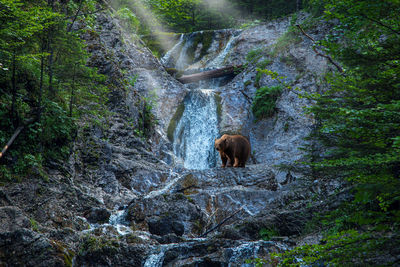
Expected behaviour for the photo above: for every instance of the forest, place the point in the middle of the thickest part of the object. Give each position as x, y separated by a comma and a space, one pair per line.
49, 92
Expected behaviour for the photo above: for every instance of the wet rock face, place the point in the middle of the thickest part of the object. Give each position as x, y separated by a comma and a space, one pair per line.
197, 200
135, 76
98, 215
116, 254
166, 214
12, 218
166, 225
27, 248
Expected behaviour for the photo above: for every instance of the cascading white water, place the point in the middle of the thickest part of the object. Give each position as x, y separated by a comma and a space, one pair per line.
219, 60
173, 51
117, 221
196, 131
183, 59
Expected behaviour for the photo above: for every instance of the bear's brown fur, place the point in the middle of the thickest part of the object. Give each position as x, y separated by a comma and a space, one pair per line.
233, 149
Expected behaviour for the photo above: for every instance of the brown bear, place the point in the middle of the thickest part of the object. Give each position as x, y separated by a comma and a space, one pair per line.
233, 149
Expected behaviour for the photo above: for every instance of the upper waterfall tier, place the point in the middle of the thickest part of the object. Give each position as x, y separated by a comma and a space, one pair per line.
198, 50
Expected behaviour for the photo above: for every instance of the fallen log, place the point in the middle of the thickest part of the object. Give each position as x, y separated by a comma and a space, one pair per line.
191, 78
14, 136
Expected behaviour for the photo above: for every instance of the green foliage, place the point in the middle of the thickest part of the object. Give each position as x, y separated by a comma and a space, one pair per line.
290, 37
44, 78
34, 225
147, 120
197, 15
267, 233
92, 243
358, 123
254, 55
129, 19
345, 248
265, 101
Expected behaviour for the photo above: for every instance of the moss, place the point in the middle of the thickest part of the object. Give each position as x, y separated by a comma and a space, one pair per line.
160, 42
267, 233
189, 181
93, 243
205, 38
258, 79
34, 225
171, 71
287, 39
64, 252
190, 199
133, 239
264, 63
174, 121
247, 83
218, 102
286, 127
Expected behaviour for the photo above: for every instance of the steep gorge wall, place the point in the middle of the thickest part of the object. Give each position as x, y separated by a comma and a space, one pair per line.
115, 182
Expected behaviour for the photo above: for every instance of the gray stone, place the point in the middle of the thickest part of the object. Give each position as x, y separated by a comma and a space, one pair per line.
98, 215
12, 218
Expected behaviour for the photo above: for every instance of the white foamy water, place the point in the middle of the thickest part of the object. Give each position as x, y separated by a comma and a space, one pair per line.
196, 131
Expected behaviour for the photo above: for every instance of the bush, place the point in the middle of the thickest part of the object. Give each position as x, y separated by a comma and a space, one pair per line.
265, 101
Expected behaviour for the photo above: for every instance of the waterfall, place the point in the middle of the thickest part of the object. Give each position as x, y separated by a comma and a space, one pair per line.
195, 132
219, 60
171, 53
197, 129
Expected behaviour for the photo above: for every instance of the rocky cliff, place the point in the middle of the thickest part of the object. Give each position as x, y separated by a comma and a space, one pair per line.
122, 200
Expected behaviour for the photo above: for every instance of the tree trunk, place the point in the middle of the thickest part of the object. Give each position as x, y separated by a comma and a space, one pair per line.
41, 78
14, 91
71, 101
50, 70
76, 15
298, 5
51, 53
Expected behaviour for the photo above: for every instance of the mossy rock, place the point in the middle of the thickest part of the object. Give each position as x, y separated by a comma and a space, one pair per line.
205, 38
218, 101
174, 121
189, 181
171, 71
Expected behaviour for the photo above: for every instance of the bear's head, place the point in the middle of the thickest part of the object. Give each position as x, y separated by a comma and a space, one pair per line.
222, 143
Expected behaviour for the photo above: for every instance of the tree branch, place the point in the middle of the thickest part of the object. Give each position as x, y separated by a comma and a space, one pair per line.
75, 17
221, 223
380, 23
339, 68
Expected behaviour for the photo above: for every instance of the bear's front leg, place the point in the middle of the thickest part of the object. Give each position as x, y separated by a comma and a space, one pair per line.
224, 159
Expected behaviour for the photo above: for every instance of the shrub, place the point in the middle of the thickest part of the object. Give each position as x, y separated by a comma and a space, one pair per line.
265, 101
